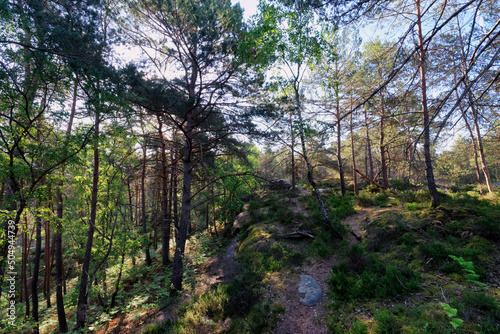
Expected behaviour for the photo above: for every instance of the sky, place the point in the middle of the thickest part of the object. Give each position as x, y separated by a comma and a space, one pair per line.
250, 7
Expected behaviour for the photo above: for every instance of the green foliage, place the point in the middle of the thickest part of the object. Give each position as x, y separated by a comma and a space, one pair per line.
387, 323
373, 196
206, 313
359, 328
159, 328
373, 279
452, 313
468, 267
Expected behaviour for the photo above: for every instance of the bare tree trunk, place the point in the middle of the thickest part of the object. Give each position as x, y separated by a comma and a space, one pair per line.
353, 154
143, 202
47, 259
24, 264
36, 272
178, 268
81, 311
425, 111
480, 146
369, 167
383, 163
213, 211
175, 203
473, 140
165, 209
293, 152
310, 178
60, 281
339, 142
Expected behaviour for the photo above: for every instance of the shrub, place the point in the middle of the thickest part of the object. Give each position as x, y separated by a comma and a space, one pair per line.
387, 323
375, 280
364, 199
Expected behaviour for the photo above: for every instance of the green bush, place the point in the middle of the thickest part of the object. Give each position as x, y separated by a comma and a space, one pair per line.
359, 328
365, 199
375, 280
406, 196
387, 323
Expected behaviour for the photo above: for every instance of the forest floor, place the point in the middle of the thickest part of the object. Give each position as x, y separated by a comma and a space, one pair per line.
296, 317
392, 274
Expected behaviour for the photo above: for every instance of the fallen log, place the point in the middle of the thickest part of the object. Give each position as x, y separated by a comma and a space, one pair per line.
297, 235
373, 182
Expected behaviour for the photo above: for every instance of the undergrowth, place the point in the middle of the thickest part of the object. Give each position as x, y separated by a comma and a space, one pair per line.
414, 260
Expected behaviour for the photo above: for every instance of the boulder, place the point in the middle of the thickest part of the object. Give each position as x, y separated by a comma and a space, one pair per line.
311, 288
279, 184
242, 218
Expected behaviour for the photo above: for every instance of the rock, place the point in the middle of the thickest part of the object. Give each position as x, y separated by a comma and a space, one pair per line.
242, 218
311, 288
279, 184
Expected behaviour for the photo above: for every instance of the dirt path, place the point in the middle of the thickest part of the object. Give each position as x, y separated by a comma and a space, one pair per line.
302, 319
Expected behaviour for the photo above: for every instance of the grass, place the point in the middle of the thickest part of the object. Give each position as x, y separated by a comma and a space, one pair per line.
396, 279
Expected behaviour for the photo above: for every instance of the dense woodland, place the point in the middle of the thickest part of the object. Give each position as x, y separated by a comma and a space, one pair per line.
133, 132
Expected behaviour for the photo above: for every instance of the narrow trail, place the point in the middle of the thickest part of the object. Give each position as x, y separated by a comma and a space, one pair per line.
302, 319
297, 318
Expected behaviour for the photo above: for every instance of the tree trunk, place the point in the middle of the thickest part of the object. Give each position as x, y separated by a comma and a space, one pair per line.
81, 311
310, 178
175, 200
213, 212
118, 279
47, 260
480, 146
36, 272
292, 135
473, 139
165, 209
369, 158
425, 111
353, 154
24, 264
383, 163
143, 202
178, 268
60, 282
339, 142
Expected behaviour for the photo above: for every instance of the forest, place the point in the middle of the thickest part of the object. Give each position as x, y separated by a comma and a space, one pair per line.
178, 166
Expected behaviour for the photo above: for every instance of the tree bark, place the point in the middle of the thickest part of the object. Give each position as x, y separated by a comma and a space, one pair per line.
36, 272
81, 311
47, 260
24, 264
479, 146
353, 154
178, 267
165, 209
339, 141
368, 153
292, 137
425, 111
61, 314
310, 178
383, 162
143, 202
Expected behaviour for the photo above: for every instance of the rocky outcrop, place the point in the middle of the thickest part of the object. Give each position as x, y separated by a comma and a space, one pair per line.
279, 184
